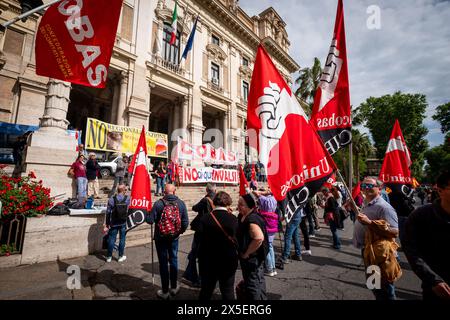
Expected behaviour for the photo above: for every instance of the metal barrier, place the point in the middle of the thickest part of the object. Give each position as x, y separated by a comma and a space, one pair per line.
12, 234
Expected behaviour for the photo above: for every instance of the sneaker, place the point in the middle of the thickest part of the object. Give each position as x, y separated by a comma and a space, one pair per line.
122, 258
162, 295
109, 259
337, 248
297, 257
286, 261
275, 272
173, 292
307, 252
312, 235
269, 274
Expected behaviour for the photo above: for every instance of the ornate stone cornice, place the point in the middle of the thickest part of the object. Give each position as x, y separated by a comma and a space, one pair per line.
215, 52
165, 14
244, 32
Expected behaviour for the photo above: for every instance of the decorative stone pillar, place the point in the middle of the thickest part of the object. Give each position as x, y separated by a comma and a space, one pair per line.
51, 150
122, 99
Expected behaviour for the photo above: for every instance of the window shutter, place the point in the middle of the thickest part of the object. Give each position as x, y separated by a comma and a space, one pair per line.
126, 31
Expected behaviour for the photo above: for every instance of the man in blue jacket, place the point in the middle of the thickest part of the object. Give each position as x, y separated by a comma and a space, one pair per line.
163, 214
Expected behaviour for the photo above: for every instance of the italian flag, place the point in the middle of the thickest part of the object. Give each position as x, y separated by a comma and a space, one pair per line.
173, 36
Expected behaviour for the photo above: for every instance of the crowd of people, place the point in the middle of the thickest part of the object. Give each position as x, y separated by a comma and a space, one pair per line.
222, 241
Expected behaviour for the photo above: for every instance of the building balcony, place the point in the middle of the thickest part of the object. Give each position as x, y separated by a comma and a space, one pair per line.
214, 85
168, 65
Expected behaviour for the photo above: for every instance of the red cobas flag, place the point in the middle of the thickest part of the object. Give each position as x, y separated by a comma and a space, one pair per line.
356, 190
141, 201
243, 183
395, 171
75, 40
331, 114
295, 160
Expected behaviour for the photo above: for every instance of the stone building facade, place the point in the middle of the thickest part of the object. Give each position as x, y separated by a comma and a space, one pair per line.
148, 84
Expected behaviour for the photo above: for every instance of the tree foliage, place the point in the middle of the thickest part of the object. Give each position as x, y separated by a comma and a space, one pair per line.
442, 115
308, 81
438, 160
379, 114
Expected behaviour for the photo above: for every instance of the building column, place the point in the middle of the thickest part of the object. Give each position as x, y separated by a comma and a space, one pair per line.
122, 99
115, 101
51, 150
184, 112
225, 130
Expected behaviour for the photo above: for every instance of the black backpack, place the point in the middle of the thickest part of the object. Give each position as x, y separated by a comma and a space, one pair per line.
120, 210
59, 209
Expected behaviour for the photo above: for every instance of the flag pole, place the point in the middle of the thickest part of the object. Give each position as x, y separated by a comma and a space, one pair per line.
28, 13
153, 261
348, 191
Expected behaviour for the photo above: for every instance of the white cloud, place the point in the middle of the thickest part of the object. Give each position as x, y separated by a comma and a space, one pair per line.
411, 51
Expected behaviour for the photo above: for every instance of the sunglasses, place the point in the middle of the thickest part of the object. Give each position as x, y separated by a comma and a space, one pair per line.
367, 186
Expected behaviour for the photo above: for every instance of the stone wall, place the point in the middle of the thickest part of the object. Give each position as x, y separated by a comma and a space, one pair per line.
64, 237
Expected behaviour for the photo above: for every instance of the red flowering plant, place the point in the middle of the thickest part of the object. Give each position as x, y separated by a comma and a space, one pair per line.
23, 195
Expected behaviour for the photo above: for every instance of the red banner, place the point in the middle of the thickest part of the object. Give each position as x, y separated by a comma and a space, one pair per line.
243, 183
141, 198
395, 171
75, 40
206, 153
331, 114
294, 157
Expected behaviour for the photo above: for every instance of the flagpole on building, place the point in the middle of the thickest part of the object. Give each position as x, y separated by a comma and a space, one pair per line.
27, 14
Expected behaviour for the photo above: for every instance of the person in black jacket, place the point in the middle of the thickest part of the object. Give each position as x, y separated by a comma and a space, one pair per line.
167, 248
403, 206
427, 235
92, 170
203, 207
218, 256
253, 247
331, 216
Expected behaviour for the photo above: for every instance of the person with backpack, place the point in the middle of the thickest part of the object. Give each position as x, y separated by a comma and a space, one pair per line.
116, 222
218, 255
203, 207
171, 219
253, 248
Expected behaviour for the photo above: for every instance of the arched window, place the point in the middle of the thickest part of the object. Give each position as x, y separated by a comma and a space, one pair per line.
170, 52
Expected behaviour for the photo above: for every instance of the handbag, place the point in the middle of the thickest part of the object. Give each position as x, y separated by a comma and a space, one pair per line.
329, 216
71, 172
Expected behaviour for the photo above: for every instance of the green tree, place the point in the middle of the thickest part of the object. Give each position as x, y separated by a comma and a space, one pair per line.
442, 115
379, 114
438, 160
308, 81
362, 147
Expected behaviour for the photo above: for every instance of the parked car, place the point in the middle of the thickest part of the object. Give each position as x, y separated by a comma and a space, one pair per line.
108, 168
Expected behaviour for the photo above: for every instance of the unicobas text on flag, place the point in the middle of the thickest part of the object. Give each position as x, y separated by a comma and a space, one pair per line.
308, 173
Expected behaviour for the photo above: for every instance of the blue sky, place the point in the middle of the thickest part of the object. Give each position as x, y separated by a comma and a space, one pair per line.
410, 52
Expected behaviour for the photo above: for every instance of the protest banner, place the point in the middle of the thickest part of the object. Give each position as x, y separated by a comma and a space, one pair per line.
104, 136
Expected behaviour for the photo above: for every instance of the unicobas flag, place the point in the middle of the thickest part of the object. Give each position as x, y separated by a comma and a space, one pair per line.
75, 40
243, 183
331, 114
395, 171
141, 201
295, 159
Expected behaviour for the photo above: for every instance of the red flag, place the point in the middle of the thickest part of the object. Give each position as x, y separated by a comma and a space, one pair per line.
243, 184
253, 173
330, 181
141, 199
294, 157
395, 171
356, 190
75, 40
331, 114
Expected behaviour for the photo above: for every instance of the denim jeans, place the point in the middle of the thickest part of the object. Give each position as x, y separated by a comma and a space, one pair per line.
292, 230
160, 184
112, 236
82, 187
334, 232
191, 272
167, 250
311, 225
270, 259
